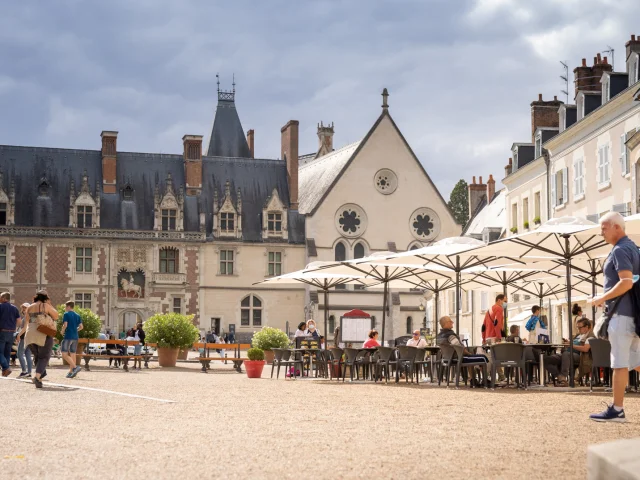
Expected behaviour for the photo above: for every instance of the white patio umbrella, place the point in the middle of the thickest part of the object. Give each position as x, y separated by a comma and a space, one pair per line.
316, 278
557, 239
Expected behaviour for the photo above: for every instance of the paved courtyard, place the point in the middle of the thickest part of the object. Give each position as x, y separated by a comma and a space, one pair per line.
223, 425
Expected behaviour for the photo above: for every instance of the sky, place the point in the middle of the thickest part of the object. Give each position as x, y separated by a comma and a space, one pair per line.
461, 74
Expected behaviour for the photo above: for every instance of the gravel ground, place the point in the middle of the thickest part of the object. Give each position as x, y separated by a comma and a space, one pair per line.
224, 425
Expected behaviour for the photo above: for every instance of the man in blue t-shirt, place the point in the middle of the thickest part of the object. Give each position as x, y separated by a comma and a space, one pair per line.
71, 325
621, 265
9, 316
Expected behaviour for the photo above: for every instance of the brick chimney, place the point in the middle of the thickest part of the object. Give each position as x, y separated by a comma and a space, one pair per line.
109, 162
289, 153
491, 188
588, 78
508, 168
325, 139
250, 139
476, 192
192, 154
544, 114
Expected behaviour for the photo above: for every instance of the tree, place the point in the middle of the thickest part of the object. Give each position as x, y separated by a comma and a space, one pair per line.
459, 202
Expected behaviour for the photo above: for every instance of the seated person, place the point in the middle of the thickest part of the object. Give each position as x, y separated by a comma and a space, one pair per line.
563, 361
372, 341
302, 330
446, 336
312, 331
514, 334
416, 341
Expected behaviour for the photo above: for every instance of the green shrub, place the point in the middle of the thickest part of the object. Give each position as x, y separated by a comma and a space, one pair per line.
269, 338
171, 330
514, 230
91, 323
526, 224
536, 220
255, 354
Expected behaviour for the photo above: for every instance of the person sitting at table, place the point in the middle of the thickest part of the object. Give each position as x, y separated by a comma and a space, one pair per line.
446, 336
416, 340
312, 331
302, 330
514, 334
372, 341
558, 365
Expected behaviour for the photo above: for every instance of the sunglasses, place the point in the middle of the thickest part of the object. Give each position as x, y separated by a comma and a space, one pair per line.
416, 334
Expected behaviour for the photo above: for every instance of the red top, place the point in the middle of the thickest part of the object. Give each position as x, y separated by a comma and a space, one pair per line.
496, 312
371, 343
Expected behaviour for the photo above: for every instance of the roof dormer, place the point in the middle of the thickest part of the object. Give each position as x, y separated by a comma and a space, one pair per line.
84, 208
274, 218
169, 207
227, 217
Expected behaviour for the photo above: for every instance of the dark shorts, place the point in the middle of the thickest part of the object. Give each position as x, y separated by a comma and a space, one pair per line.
69, 346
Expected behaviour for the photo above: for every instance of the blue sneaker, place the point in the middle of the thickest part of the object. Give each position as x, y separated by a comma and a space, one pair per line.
75, 371
609, 415
69, 375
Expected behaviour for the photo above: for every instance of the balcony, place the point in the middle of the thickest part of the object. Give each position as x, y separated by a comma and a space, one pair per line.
170, 278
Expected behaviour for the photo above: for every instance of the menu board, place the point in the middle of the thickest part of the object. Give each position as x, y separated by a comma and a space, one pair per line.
354, 329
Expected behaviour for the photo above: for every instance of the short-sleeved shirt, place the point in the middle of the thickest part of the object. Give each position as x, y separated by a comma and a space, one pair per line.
9, 316
624, 256
73, 321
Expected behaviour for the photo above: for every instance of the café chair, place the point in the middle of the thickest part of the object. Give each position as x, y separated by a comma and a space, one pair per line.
601, 358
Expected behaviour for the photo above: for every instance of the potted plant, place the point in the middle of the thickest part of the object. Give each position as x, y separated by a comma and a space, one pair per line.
269, 338
171, 331
526, 225
536, 220
255, 364
91, 326
514, 230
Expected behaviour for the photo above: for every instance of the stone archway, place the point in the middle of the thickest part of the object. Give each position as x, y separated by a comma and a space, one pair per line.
128, 318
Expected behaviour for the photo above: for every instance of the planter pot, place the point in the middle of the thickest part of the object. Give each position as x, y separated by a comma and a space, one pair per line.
79, 351
336, 371
167, 357
254, 368
183, 354
269, 356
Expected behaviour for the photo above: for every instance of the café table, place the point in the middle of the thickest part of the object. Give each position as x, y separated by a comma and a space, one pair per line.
312, 353
545, 348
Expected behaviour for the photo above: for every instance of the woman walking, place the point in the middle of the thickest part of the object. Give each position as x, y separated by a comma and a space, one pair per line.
24, 354
39, 343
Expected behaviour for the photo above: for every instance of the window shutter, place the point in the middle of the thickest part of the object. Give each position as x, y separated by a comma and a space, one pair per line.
576, 178
623, 154
607, 164
600, 165
565, 185
553, 190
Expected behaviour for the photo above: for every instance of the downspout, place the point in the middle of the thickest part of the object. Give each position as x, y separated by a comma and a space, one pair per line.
108, 313
40, 276
473, 311
547, 162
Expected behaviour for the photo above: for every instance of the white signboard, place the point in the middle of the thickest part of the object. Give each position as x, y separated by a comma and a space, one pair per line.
354, 329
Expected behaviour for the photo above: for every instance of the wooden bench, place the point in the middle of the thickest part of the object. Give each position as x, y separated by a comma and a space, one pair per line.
87, 357
205, 357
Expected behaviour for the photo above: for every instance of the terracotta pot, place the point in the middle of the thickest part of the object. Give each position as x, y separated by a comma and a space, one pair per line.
167, 357
269, 356
254, 368
183, 354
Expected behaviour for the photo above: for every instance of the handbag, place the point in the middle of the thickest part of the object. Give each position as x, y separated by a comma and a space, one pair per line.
46, 324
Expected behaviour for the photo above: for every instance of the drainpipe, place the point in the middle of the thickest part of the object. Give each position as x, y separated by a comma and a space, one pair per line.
547, 162
41, 258
108, 313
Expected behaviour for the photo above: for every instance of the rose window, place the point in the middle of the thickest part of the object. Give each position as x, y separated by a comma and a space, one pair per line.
424, 224
351, 221
386, 181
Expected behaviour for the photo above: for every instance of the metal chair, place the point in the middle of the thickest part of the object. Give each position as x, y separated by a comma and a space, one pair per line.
287, 361
351, 360
336, 360
601, 355
384, 360
509, 355
406, 361
453, 355
420, 364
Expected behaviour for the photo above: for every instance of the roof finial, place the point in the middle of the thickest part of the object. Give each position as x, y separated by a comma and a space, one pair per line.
218, 79
385, 97
234, 83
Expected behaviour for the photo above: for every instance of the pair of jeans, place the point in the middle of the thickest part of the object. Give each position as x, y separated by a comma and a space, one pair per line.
42, 354
6, 340
24, 357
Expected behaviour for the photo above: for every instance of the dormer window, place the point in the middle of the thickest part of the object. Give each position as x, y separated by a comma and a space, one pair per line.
606, 92
274, 218
580, 106
84, 217
169, 219
563, 120
274, 223
227, 222
538, 152
43, 189
127, 193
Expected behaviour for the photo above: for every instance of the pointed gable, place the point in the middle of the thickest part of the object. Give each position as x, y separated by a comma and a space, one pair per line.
227, 136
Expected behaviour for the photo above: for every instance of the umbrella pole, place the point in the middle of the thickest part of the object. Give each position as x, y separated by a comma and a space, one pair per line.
326, 316
506, 308
436, 319
384, 301
568, 263
458, 294
593, 289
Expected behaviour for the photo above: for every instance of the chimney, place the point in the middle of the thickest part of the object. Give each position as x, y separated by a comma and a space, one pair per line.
491, 188
192, 155
588, 78
109, 143
508, 168
325, 139
250, 134
544, 114
476, 192
289, 153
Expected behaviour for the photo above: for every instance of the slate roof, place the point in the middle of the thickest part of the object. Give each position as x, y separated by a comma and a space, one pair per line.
227, 136
491, 215
316, 177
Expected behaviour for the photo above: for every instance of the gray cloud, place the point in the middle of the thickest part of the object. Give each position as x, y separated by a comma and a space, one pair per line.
461, 74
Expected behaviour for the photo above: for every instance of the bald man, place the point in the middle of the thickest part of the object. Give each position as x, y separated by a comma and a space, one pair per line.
621, 265
446, 336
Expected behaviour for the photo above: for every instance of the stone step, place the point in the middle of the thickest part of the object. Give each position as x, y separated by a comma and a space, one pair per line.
618, 460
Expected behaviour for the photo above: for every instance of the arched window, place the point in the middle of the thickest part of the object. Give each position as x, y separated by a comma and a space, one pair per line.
340, 256
251, 311
358, 252
332, 325
168, 260
409, 325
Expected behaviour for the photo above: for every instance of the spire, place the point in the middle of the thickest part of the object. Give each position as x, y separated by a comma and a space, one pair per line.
227, 135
